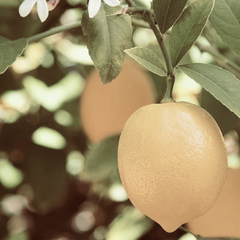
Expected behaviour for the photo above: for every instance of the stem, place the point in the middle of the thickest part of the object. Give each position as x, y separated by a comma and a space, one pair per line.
135, 10
170, 75
140, 23
161, 43
168, 97
53, 31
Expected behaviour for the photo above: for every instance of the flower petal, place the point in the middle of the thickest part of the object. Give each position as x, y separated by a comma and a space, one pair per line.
42, 9
52, 4
112, 3
26, 7
93, 7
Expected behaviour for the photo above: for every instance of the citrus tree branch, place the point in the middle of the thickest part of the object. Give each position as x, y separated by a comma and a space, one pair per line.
168, 97
136, 10
160, 42
139, 23
53, 31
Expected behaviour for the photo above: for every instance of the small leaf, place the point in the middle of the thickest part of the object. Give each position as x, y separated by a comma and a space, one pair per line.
108, 36
167, 12
226, 25
10, 50
222, 84
148, 59
101, 160
187, 28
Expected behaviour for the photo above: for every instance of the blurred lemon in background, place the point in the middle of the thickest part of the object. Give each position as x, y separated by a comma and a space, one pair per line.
104, 109
223, 219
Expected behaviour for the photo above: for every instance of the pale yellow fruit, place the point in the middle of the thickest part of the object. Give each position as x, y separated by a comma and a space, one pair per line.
104, 109
172, 162
223, 219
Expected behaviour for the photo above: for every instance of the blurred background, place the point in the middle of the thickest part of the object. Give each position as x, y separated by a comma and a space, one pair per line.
57, 181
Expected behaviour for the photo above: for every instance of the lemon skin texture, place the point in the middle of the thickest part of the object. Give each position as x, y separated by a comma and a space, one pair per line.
105, 108
172, 162
223, 219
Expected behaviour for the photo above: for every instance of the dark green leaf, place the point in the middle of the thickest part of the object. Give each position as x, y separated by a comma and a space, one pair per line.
148, 59
9, 51
226, 25
109, 35
218, 110
45, 172
101, 160
167, 12
222, 84
187, 28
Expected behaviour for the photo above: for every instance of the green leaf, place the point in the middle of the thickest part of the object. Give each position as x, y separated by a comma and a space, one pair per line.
167, 12
47, 176
222, 84
226, 25
235, 7
148, 59
10, 50
101, 160
218, 110
187, 29
109, 35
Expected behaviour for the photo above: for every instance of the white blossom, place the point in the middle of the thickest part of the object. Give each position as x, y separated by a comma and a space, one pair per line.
94, 6
42, 8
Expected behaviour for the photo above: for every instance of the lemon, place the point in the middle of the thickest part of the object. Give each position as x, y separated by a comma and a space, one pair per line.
104, 109
172, 162
223, 219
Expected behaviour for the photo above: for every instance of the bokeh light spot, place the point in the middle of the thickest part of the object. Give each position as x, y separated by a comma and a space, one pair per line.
63, 118
10, 176
84, 221
75, 162
13, 204
117, 193
49, 138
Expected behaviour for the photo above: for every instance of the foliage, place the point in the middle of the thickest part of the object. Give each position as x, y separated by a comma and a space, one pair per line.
43, 147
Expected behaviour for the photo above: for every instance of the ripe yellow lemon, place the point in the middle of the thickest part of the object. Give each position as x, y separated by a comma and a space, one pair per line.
104, 109
223, 219
172, 162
